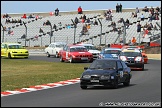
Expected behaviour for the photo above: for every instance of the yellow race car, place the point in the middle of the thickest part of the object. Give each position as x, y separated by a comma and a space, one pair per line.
13, 50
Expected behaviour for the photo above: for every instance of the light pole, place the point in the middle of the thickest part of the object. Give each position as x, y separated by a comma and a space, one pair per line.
160, 31
100, 30
75, 26
3, 33
25, 32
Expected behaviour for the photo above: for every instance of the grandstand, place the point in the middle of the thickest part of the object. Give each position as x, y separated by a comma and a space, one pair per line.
101, 34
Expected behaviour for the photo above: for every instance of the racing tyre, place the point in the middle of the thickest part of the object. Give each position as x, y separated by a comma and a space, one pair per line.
56, 55
83, 87
48, 55
127, 82
61, 59
142, 67
9, 56
115, 84
71, 60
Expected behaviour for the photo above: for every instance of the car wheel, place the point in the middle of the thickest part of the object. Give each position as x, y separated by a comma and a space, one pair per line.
115, 84
48, 55
9, 56
127, 82
61, 59
91, 61
142, 67
83, 87
56, 55
71, 59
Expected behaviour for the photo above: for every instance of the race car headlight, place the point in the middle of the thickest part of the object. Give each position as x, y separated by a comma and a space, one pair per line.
86, 76
123, 58
14, 52
105, 77
73, 56
138, 59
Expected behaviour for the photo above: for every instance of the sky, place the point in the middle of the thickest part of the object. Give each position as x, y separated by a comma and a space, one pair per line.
50, 6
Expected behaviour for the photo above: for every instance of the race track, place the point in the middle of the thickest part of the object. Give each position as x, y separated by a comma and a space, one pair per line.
145, 87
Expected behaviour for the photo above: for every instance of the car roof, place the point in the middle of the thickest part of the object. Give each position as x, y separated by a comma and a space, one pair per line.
108, 59
10, 43
75, 45
85, 44
58, 43
112, 49
130, 50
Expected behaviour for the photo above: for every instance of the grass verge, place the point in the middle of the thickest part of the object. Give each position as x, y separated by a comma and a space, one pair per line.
17, 74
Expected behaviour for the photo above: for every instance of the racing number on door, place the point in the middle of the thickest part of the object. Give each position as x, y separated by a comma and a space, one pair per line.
121, 74
66, 54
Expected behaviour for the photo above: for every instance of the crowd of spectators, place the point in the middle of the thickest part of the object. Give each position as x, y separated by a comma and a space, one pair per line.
13, 21
118, 8
6, 16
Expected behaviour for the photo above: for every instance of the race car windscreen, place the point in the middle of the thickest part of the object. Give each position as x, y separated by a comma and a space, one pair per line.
78, 49
90, 47
112, 51
16, 47
130, 54
103, 64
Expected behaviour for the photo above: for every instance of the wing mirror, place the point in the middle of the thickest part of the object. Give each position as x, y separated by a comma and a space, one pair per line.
85, 68
120, 69
126, 63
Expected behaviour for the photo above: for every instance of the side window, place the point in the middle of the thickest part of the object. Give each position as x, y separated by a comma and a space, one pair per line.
50, 45
124, 65
65, 48
2, 46
119, 65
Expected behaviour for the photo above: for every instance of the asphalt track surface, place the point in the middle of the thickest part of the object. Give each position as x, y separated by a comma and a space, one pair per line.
145, 86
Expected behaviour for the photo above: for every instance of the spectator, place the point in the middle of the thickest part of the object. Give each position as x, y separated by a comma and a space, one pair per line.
120, 7
145, 32
54, 26
48, 22
158, 9
41, 30
84, 17
120, 20
83, 20
76, 20
137, 10
133, 41
132, 15
113, 24
149, 27
138, 27
127, 23
60, 24
142, 17
95, 23
24, 16
117, 8
129, 42
80, 10
145, 9
121, 41
88, 20
108, 17
84, 30
115, 29
135, 15
155, 27
156, 17
88, 26
56, 12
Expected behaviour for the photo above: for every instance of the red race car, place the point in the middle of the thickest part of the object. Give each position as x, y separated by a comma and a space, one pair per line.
142, 51
74, 53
